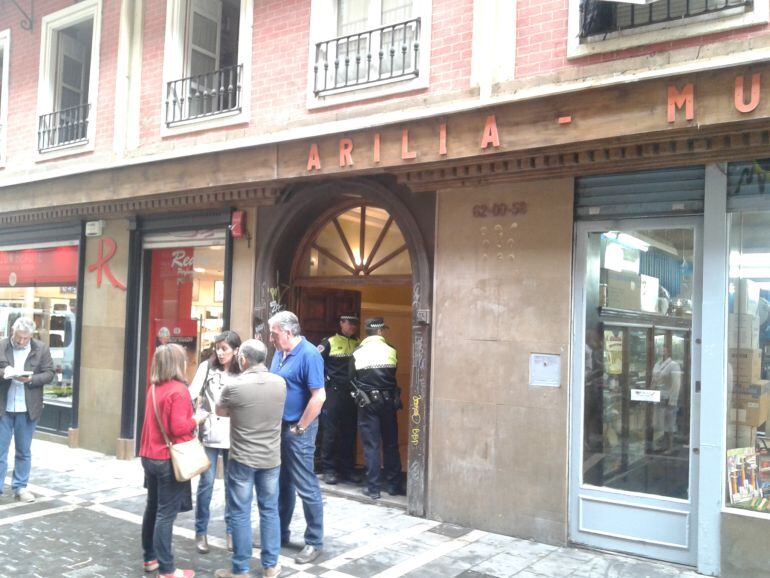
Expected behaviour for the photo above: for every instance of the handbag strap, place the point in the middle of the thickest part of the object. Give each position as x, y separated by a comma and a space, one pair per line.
157, 416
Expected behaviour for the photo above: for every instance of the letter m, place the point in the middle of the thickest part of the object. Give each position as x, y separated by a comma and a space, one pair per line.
681, 99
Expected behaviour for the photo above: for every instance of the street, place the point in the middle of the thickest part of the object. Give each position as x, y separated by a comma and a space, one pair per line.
86, 523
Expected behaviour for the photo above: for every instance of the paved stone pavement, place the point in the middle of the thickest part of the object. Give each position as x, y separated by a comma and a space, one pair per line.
86, 523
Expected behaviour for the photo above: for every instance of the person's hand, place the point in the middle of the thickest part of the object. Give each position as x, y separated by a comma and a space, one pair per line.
201, 416
25, 379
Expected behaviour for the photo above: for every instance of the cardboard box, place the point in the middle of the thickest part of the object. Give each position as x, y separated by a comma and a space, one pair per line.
624, 290
748, 297
751, 408
743, 331
746, 366
649, 293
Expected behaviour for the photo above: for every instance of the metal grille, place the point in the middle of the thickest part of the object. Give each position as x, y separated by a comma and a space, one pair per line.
63, 127
603, 17
203, 95
368, 57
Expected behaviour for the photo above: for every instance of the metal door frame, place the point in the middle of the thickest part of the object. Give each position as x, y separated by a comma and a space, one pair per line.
577, 492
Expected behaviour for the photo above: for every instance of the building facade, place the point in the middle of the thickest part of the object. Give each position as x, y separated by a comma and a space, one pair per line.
559, 206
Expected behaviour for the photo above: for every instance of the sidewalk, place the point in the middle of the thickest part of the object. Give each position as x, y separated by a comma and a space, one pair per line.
86, 522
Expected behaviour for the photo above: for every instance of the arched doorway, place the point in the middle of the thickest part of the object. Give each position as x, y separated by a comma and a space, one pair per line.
323, 244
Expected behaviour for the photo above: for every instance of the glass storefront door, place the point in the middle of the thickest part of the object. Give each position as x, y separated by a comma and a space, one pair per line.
634, 403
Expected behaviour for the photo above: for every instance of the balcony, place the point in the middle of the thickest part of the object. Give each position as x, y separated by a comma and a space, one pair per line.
600, 17
204, 95
63, 128
367, 58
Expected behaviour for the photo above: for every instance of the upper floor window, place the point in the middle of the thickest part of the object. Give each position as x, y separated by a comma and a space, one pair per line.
362, 44
602, 17
204, 58
605, 26
68, 73
5, 42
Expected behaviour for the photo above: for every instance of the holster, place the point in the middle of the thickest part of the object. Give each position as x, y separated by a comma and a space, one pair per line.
361, 398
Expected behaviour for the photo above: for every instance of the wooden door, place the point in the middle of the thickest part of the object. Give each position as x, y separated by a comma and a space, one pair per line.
319, 310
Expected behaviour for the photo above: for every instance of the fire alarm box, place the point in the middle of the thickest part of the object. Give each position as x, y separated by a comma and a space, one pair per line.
238, 224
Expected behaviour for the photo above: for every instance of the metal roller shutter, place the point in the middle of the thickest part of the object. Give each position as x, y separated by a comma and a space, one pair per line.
677, 191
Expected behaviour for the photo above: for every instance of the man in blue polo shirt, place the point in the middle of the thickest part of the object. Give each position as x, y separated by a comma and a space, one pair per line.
302, 367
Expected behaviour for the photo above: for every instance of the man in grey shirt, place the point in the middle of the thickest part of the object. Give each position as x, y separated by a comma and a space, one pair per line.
254, 402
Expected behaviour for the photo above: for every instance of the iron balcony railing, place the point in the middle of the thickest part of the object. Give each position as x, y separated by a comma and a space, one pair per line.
63, 127
603, 17
203, 95
369, 57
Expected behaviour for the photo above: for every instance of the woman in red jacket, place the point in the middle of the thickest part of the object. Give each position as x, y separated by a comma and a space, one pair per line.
165, 496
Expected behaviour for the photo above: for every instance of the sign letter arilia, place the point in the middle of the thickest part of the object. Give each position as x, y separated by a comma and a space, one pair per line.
313, 158
678, 99
490, 135
740, 102
346, 152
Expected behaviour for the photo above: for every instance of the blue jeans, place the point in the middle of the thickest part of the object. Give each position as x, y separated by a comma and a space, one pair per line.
165, 498
242, 481
16, 425
206, 488
298, 477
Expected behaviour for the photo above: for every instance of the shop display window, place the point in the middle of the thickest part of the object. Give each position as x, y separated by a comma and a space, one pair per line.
41, 284
748, 363
639, 297
186, 300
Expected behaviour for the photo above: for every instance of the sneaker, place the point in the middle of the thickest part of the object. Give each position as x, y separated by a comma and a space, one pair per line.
24, 495
371, 493
272, 572
178, 573
307, 554
151, 566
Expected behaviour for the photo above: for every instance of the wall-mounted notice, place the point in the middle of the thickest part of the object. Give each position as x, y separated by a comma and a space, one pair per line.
545, 370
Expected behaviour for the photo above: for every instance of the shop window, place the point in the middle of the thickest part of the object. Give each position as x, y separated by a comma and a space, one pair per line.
605, 25
639, 302
359, 45
748, 363
361, 242
5, 43
208, 52
68, 76
186, 298
41, 284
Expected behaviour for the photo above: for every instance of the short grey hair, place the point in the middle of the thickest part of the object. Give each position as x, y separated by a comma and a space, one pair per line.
253, 351
24, 325
287, 321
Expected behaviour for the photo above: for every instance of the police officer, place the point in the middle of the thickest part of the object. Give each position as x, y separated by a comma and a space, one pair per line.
375, 364
339, 412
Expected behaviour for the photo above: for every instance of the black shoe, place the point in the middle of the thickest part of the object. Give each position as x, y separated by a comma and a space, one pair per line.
307, 555
370, 493
396, 491
332, 478
352, 477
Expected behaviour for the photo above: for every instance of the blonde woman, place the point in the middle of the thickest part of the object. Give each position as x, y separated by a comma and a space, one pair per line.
167, 401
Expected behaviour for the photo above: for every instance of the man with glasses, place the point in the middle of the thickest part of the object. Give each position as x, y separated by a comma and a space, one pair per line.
302, 367
25, 367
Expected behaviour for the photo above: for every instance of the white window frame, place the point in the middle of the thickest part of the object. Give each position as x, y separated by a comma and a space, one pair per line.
49, 26
705, 24
5, 48
323, 26
174, 59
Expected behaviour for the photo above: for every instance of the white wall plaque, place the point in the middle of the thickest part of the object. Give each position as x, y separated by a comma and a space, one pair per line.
651, 395
545, 369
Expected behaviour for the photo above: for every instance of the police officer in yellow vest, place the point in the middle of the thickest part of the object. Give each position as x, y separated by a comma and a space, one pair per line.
375, 364
339, 412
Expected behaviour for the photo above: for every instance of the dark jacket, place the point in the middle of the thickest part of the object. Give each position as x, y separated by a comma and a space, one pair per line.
337, 352
39, 362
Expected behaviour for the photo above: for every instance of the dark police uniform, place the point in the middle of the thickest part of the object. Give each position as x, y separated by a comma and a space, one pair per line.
375, 365
339, 412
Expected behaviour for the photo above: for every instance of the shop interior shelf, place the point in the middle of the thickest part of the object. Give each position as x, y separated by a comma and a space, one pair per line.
608, 314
